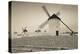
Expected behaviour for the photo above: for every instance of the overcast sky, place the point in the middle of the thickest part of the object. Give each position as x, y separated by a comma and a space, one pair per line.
32, 15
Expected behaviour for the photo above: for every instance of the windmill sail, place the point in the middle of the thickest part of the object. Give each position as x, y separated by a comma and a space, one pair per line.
43, 24
58, 13
44, 8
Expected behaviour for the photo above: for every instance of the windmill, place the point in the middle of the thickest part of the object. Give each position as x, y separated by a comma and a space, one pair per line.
52, 20
24, 30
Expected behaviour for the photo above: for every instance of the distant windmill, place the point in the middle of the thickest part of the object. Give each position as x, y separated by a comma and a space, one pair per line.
54, 22
24, 30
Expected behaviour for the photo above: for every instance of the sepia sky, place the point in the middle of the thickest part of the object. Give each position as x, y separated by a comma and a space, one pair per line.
32, 15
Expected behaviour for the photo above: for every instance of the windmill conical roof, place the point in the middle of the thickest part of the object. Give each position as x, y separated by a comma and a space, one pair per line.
54, 16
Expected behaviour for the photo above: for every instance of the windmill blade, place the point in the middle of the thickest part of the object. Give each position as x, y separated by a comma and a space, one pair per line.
44, 8
58, 13
43, 24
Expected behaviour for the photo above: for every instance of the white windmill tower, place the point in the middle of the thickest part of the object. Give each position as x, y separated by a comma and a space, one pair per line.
53, 22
